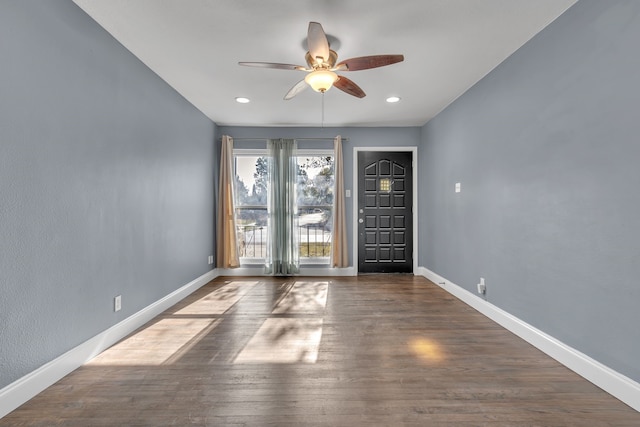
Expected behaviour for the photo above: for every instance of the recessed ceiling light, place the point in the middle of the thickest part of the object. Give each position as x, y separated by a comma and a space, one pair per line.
243, 100
393, 99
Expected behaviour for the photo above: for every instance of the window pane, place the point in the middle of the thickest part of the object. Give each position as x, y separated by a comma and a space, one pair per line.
315, 205
252, 232
251, 206
251, 181
315, 180
315, 232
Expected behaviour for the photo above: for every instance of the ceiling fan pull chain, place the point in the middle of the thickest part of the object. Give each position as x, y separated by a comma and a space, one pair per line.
322, 122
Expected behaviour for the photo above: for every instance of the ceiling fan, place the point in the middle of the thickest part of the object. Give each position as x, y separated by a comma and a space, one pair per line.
322, 67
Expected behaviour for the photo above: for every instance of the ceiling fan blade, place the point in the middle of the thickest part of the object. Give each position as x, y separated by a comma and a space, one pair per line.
317, 43
348, 86
273, 65
296, 89
367, 62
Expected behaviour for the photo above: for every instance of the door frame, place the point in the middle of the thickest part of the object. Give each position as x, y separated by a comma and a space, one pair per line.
414, 213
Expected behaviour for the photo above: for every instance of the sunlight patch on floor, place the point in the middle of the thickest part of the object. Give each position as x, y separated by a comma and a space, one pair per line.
163, 342
283, 340
220, 300
304, 298
426, 350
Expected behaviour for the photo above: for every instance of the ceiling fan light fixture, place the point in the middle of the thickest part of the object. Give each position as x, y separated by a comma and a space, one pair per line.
321, 80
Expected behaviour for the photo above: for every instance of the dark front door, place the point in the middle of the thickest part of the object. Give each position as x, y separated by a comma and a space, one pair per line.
385, 223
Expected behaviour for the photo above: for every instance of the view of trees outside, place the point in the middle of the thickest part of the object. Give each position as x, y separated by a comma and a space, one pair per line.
314, 199
256, 195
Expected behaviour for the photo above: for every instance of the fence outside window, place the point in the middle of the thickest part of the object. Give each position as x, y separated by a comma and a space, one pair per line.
314, 232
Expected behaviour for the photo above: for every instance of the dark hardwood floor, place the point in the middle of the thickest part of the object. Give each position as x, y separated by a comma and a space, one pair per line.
371, 350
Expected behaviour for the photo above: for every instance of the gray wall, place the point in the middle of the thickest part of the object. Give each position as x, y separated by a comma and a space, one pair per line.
546, 149
105, 184
358, 137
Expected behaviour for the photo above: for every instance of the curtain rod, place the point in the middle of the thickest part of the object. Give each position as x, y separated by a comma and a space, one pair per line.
297, 139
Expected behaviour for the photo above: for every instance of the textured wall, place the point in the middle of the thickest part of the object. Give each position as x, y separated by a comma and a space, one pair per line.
546, 149
106, 184
358, 137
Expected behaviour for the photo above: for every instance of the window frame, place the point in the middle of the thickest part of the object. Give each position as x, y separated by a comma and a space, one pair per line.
264, 152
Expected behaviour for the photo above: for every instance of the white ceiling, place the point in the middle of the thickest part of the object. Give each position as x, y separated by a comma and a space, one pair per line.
195, 46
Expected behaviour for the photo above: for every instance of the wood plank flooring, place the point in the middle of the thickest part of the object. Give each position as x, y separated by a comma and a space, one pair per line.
371, 350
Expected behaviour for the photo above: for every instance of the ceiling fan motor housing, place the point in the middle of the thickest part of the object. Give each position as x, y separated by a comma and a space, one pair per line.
330, 63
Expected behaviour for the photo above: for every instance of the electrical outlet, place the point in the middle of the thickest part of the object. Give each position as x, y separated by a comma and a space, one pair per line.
117, 303
210, 260
482, 288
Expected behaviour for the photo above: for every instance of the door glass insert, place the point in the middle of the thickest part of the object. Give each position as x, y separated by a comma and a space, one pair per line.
385, 185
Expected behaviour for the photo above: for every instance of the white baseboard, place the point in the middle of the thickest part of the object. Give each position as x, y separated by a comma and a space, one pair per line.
613, 382
304, 271
25, 388
242, 271
326, 271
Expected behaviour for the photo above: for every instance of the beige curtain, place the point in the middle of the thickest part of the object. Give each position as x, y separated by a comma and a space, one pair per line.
227, 244
339, 255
